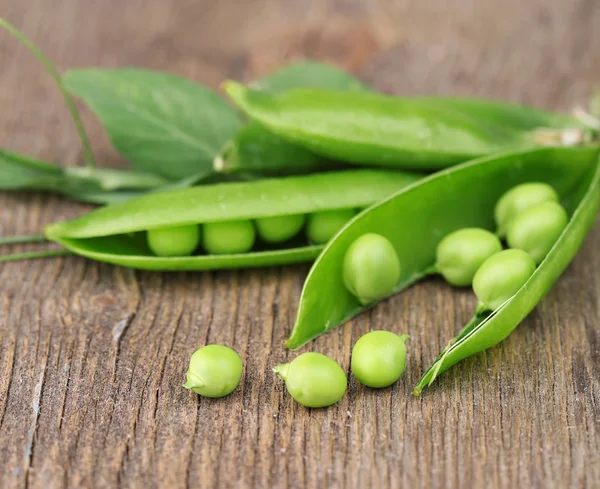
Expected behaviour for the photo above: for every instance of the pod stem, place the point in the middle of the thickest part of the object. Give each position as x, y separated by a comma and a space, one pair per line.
32, 238
573, 136
87, 148
32, 255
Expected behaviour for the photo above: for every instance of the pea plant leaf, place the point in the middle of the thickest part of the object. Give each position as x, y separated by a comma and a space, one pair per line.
160, 122
309, 74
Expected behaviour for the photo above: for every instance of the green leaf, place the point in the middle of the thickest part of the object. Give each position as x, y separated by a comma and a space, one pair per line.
309, 74
161, 123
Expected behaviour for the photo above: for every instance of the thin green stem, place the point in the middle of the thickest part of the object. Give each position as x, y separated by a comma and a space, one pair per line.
32, 238
87, 148
32, 255
29, 161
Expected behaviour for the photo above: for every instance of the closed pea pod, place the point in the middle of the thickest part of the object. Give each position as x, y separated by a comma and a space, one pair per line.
379, 358
255, 149
461, 253
214, 371
374, 129
104, 234
536, 229
313, 380
453, 199
519, 199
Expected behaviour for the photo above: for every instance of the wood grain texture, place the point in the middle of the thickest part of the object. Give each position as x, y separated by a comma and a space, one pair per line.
92, 357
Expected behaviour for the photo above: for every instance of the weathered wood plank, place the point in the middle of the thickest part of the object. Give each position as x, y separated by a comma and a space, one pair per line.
92, 357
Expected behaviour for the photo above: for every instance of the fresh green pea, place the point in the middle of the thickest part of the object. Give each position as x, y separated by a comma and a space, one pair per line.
322, 226
518, 199
214, 371
371, 268
228, 237
536, 229
174, 241
461, 253
313, 380
501, 276
278, 229
379, 358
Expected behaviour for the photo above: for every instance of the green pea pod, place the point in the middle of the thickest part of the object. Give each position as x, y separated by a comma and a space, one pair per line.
111, 234
417, 133
256, 150
430, 209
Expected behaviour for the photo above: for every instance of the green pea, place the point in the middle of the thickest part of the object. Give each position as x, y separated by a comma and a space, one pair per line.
228, 237
174, 241
379, 358
501, 276
313, 380
279, 228
518, 199
371, 268
461, 253
214, 371
536, 229
322, 226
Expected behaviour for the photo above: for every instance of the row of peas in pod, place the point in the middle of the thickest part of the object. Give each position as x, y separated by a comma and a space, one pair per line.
312, 379
239, 236
529, 217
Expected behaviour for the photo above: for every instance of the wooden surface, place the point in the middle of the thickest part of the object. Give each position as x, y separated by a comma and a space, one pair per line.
92, 357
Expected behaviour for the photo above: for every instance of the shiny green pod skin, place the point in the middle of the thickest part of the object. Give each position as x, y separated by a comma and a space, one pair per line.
464, 196
111, 234
256, 150
375, 129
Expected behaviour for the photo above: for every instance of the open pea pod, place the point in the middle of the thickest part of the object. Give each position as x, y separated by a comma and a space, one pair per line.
115, 234
416, 218
426, 133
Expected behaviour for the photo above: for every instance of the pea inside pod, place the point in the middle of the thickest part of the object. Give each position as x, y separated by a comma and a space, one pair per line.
519, 199
106, 234
536, 229
174, 241
280, 228
371, 268
460, 254
501, 276
322, 226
